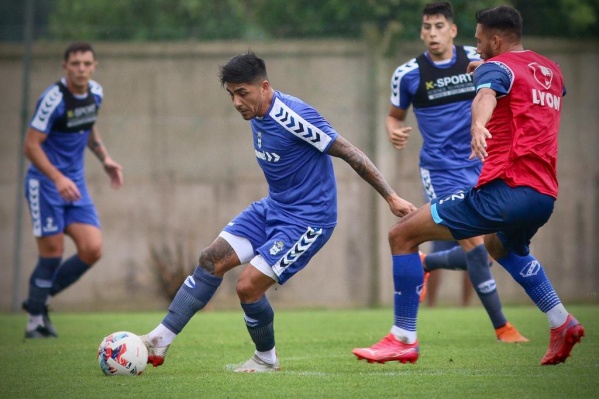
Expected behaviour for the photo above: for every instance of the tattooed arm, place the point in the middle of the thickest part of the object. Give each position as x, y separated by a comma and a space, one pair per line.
341, 148
113, 169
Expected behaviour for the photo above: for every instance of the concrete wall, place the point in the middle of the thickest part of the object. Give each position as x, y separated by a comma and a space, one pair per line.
189, 169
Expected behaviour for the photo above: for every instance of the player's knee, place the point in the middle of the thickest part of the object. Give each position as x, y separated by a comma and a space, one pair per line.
52, 251
494, 246
242, 289
206, 261
394, 234
90, 254
246, 291
399, 241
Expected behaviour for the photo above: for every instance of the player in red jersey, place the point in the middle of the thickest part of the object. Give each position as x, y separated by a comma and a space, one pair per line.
515, 123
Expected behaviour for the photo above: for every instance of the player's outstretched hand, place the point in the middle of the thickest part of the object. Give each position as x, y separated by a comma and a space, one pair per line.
399, 206
478, 145
115, 172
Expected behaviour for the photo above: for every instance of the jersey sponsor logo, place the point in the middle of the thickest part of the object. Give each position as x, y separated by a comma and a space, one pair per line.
450, 86
46, 107
81, 115
542, 74
451, 80
267, 156
298, 126
300, 247
486, 287
531, 269
546, 99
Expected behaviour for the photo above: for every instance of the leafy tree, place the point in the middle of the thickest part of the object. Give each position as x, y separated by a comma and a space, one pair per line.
560, 18
143, 20
155, 20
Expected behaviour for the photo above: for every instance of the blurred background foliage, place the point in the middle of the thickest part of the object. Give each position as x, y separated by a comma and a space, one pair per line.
177, 20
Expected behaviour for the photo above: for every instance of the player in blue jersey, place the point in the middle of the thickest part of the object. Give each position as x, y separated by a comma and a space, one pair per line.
62, 127
440, 90
279, 234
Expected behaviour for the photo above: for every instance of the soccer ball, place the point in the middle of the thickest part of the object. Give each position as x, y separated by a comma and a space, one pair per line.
122, 353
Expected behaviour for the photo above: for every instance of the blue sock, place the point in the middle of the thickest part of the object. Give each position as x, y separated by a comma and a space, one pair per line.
408, 277
484, 284
259, 320
451, 259
530, 274
69, 272
437, 246
40, 283
194, 294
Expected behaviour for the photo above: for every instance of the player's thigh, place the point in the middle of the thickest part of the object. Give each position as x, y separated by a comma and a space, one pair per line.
468, 244
87, 239
252, 284
414, 229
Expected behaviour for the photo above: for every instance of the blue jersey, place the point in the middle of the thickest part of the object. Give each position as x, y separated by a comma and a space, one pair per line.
445, 128
290, 143
67, 120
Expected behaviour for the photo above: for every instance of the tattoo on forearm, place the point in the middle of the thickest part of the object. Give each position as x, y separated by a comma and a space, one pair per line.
97, 148
362, 165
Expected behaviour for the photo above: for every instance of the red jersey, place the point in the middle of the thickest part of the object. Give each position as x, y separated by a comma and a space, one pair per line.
525, 122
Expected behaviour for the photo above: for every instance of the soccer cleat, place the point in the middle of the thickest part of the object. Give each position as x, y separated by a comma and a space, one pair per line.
508, 333
257, 365
389, 349
426, 276
156, 354
562, 340
50, 331
40, 332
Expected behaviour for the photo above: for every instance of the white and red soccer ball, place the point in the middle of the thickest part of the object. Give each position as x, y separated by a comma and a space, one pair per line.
122, 353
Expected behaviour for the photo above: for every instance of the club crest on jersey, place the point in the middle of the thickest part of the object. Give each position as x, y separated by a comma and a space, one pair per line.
542, 74
277, 247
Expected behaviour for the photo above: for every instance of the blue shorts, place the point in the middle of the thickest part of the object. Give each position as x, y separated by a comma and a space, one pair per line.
286, 245
440, 182
514, 213
50, 214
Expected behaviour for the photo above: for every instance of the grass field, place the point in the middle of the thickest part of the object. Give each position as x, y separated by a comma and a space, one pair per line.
460, 358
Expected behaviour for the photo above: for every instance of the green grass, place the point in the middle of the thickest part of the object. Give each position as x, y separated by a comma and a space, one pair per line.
460, 358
